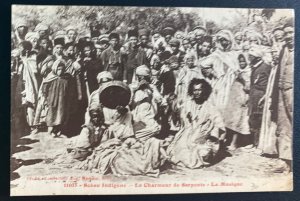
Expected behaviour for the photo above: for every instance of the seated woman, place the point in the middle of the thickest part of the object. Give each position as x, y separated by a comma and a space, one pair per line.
197, 143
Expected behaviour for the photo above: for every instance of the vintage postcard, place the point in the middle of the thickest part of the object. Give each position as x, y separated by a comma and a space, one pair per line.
151, 100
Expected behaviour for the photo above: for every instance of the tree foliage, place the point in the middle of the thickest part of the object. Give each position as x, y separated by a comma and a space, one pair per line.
109, 18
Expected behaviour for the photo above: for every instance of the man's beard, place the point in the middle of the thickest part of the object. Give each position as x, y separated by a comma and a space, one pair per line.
204, 54
199, 99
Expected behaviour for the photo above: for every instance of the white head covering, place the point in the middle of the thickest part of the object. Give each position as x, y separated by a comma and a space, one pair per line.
140, 95
239, 33
70, 28
20, 23
143, 70
104, 75
228, 36
41, 27
256, 51
60, 34
256, 35
56, 64
31, 35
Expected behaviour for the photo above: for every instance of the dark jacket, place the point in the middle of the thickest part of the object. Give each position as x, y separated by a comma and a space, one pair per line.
134, 58
283, 82
258, 85
114, 63
167, 81
90, 70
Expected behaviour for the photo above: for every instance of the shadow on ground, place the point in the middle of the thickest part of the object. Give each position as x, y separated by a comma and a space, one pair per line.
17, 163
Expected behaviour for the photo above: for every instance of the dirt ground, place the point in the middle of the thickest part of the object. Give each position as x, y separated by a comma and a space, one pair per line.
31, 155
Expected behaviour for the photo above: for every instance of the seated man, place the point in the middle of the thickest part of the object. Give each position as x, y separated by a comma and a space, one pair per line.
113, 117
91, 135
197, 142
145, 101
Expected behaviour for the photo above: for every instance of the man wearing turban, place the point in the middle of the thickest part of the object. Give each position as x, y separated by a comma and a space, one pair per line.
219, 68
118, 120
71, 34
21, 30
145, 101
43, 30
27, 72
258, 85
33, 38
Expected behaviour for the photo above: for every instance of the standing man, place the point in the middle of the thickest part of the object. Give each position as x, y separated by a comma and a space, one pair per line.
112, 58
278, 40
258, 85
145, 44
21, 30
200, 32
59, 43
43, 30
135, 56
71, 34
175, 43
204, 47
283, 99
101, 45
29, 73
168, 34
89, 67
95, 36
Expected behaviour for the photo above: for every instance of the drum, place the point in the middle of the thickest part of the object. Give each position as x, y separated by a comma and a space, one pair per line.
114, 93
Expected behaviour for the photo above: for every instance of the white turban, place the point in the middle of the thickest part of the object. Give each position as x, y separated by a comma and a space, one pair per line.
143, 70
31, 35
20, 23
70, 28
41, 27
256, 51
105, 75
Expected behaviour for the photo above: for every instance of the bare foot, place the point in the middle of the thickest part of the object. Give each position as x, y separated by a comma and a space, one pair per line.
231, 148
34, 131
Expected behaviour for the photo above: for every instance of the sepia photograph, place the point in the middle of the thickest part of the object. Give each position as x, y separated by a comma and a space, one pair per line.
111, 100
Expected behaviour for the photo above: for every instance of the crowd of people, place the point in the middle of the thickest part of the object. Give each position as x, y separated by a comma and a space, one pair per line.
192, 94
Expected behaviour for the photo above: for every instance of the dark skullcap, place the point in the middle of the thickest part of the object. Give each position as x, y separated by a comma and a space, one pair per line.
174, 42
132, 33
114, 35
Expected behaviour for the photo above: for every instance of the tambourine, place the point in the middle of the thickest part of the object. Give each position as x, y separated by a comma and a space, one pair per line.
114, 93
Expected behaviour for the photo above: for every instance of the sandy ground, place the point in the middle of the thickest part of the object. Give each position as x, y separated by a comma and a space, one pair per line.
32, 173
